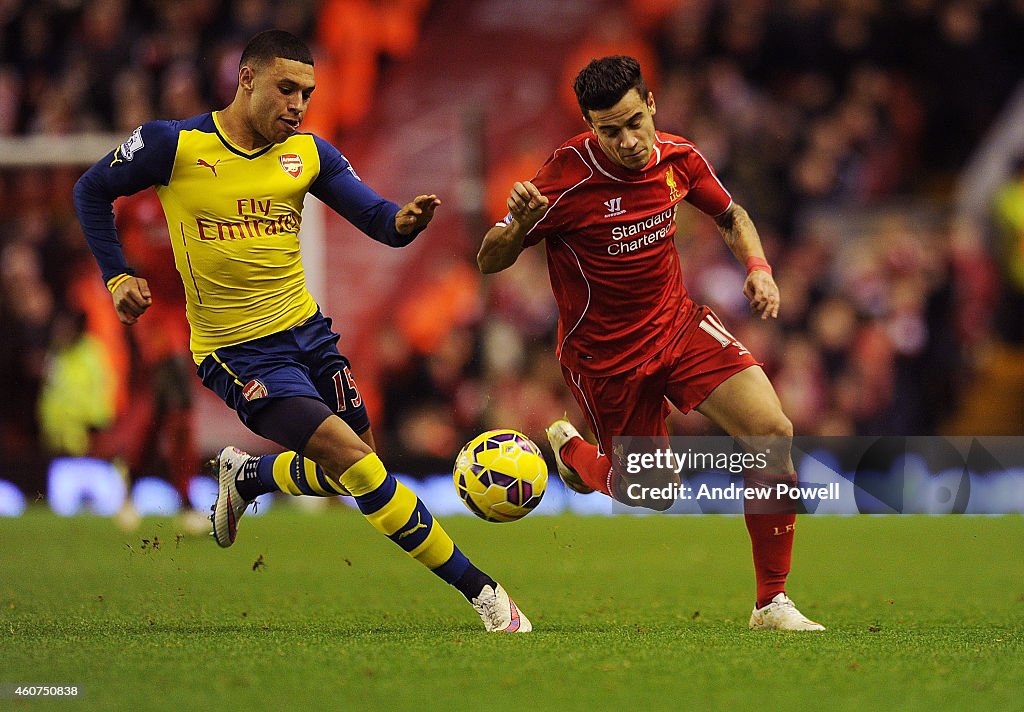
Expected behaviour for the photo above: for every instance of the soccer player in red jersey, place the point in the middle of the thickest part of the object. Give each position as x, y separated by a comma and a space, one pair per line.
630, 340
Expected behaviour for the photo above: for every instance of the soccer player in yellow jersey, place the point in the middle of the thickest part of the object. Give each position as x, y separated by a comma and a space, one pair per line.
232, 184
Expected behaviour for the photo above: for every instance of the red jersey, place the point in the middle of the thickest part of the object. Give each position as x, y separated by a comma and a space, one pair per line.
612, 258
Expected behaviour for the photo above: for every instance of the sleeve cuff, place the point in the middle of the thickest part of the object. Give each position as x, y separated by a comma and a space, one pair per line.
115, 282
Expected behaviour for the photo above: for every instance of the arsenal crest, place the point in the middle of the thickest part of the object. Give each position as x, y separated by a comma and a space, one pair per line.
255, 389
292, 164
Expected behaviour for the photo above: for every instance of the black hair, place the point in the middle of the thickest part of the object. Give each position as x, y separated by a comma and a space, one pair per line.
602, 83
270, 44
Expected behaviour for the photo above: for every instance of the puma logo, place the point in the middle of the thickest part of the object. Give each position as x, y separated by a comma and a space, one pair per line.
201, 162
419, 525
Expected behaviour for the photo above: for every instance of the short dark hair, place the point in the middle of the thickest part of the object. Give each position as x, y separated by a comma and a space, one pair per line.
270, 44
602, 83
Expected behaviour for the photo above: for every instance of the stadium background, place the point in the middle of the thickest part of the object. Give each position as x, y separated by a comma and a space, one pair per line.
878, 147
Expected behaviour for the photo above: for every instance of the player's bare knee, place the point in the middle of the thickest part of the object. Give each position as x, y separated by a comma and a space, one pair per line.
782, 427
337, 454
771, 435
777, 426
344, 456
353, 453
336, 448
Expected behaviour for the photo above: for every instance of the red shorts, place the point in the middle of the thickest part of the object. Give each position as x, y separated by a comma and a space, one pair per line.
636, 402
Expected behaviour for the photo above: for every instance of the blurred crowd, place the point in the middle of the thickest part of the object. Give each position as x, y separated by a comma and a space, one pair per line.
70, 66
839, 124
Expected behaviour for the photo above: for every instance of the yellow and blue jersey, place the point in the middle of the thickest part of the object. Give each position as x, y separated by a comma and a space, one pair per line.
233, 217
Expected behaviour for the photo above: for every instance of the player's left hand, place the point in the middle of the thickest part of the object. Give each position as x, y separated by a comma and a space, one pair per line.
763, 294
416, 214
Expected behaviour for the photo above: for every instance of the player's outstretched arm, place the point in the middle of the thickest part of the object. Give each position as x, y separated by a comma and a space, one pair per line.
132, 298
416, 214
741, 236
503, 242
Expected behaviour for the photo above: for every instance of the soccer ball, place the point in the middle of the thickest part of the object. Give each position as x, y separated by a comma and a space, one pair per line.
500, 475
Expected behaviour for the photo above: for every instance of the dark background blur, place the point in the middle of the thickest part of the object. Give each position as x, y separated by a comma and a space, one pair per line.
877, 145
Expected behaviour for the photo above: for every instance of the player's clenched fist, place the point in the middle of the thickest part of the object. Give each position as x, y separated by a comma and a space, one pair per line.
526, 204
131, 299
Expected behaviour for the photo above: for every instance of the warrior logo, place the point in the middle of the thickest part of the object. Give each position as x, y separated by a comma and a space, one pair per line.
614, 206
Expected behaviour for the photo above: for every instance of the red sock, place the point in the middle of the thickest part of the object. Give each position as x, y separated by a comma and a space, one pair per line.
589, 465
771, 538
771, 525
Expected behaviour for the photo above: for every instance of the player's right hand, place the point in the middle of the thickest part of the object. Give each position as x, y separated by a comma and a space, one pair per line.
763, 294
526, 204
131, 299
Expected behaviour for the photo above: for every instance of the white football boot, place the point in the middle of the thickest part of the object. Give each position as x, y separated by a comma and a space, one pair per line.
559, 433
499, 612
781, 614
230, 506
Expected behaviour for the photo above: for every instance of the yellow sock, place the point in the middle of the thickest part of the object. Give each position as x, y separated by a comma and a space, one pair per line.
296, 475
395, 511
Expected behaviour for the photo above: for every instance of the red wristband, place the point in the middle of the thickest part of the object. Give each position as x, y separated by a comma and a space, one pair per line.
758, 263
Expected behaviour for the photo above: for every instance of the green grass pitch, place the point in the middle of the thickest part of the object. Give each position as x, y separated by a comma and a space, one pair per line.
317, 610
